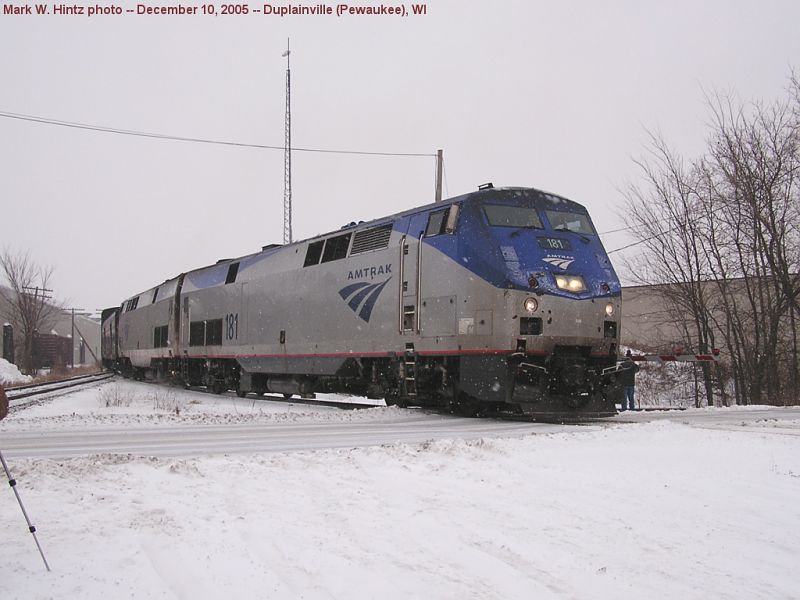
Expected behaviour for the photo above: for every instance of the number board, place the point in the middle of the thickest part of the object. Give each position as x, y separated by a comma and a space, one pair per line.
549, 243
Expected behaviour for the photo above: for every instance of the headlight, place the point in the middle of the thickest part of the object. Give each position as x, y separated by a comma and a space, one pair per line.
531, 305
609, 309
570, 283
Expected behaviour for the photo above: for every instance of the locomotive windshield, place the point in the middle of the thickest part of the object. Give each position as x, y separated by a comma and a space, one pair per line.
569, 221
501, 215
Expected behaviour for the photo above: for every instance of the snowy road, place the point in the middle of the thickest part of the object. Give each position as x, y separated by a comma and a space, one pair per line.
780, 421
265, 428
191, 440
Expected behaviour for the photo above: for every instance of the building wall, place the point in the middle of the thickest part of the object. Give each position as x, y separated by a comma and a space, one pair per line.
87, 329
646, 323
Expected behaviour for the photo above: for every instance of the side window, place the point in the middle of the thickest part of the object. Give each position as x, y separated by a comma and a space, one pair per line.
436, 223
313, 253
336, 247
197, 333
214, 332
233, 270
132, 304
155, 296
442, 221
205, 333
160, 336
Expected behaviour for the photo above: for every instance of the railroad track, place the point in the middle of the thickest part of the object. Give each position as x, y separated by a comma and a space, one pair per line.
26, 395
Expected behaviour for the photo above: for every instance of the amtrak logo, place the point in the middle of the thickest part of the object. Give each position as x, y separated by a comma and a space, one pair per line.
362, 297
561, 263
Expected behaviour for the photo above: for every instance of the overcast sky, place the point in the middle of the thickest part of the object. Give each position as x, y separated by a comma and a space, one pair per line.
554, 95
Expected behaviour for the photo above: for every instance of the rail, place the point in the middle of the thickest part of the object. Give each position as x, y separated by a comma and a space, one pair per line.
36, 389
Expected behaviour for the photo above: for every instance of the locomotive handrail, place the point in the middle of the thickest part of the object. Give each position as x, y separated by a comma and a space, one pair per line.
524, 365
402, 276
418, 309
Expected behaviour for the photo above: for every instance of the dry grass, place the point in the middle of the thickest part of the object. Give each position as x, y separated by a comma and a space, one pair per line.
112, 395
59, 373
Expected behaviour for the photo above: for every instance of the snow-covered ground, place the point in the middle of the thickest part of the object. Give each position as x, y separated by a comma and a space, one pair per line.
654, 509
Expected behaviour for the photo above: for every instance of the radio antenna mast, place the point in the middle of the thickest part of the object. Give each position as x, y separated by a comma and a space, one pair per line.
287, 156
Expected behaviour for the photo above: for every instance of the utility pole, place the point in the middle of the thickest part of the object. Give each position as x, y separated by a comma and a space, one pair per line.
38, 293
287, 156
439, 164
72, 336
71, 311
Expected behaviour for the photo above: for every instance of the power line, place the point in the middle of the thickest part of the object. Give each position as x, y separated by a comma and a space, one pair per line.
163, 136
616, 230
658, 235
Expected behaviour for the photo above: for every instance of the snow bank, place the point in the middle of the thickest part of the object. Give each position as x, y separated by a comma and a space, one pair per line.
641, 511
10, 375
125, 403
655, 510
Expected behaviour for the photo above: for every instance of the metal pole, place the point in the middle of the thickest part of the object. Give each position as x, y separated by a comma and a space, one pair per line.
72, 312
72, 338
13, 483
287, 156
439, 163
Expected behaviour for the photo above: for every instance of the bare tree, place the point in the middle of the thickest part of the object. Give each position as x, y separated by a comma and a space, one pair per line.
665, 216
27, 299
752, 171
723, 235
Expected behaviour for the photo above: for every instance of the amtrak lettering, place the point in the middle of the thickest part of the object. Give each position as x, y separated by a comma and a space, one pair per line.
362, 297
370, 272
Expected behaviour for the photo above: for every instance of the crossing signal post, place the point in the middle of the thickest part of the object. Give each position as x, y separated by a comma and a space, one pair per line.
13, 483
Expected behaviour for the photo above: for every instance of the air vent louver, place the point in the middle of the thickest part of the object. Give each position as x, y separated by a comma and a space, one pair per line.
371, 239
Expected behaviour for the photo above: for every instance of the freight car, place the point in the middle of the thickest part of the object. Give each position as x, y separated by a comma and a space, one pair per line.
503, 299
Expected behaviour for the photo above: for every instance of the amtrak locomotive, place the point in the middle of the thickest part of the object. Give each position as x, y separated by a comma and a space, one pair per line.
497, 300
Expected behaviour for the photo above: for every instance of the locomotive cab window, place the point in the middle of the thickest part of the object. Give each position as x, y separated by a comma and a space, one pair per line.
570, 221
503, 215
442, 221
436, 223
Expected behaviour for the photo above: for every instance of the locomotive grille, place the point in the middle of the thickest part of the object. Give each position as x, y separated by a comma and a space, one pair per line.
371, 239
